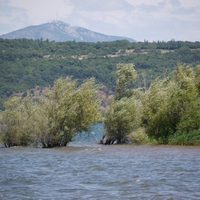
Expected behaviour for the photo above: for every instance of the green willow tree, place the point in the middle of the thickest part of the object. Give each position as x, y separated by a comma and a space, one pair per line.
70, 109
16, 121
171, 108
123, 113
126, 75
158, 125
122, 117
197, 80
54, 119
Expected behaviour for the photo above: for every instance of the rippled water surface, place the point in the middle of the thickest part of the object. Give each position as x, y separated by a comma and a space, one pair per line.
86, 170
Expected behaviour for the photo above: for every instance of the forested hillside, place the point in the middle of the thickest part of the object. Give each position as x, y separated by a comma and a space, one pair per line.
25, 64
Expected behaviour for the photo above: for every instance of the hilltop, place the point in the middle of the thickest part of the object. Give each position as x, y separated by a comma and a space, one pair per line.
60, 32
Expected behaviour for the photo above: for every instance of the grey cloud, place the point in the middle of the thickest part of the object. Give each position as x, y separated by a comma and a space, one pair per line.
6, 9
162, 3
178, 9
152, 8
102, 5
175, 3
11, 18
184, 11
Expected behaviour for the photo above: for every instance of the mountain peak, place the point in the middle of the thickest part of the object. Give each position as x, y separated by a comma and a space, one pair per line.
60, 31
59, 23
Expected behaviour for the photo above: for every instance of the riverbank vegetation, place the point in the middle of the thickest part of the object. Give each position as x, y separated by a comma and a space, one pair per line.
54, 119
143, 107
167, 112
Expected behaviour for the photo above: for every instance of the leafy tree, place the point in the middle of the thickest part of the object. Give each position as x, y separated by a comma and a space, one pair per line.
70, 110
126, 75
122, 117
54, 119
123, 114
197, 80
170, 106
154, 105
187, 99
16, 122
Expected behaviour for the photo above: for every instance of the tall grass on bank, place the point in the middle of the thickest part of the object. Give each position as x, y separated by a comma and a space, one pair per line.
185, 138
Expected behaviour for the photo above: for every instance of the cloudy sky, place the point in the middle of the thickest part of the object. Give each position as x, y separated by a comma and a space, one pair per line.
141, 20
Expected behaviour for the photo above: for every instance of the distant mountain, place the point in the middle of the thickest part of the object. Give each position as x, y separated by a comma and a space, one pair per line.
60, 32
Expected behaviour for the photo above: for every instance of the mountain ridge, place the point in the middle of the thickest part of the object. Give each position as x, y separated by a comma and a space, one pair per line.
59, 31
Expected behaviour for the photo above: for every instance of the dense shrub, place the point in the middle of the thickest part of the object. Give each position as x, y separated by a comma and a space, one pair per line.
167, 112
171, 107
52, 120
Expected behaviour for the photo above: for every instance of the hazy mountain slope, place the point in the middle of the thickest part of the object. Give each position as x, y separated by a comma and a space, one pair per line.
60, 32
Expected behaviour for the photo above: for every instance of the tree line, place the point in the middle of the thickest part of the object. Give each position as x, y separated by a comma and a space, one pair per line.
166, 113
25, 64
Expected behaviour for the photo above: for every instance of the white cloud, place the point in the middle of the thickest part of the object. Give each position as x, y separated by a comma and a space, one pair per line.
143, 2
100, 5
190, 3
44, 10
139, 19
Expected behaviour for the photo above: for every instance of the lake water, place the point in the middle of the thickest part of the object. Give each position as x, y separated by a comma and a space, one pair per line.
86, 170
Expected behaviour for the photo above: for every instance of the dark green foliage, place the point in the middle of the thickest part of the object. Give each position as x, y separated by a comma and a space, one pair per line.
168, 111
24, 64
122, 116
171, 109
185, 138
126, 76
